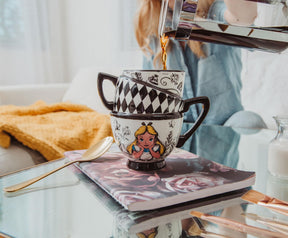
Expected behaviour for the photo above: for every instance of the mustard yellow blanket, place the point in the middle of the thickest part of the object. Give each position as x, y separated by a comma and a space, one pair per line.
53, 129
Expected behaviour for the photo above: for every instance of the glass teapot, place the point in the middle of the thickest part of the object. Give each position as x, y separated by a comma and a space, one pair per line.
186, 20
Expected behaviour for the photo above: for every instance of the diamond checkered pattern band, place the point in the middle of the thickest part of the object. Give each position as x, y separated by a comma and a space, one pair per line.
132, 97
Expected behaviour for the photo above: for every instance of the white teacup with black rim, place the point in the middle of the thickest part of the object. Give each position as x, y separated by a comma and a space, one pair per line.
137, 96
147, 139
168, 80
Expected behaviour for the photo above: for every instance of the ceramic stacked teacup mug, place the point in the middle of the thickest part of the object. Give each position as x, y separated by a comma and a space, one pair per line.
147, 114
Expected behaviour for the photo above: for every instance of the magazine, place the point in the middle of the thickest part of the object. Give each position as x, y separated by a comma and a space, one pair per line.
128, 223
185, 177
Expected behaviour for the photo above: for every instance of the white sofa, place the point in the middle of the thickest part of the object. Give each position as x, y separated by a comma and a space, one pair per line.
83, 90
17, 156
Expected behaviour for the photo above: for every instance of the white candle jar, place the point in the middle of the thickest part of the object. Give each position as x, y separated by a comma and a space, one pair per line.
278, 149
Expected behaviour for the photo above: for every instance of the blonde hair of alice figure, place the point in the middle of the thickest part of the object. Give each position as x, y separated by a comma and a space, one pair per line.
146, 146
238, 12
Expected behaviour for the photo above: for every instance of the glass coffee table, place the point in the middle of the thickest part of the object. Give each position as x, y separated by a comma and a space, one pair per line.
69, 204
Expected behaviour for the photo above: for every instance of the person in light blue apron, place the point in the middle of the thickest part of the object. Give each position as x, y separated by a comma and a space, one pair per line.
212, 70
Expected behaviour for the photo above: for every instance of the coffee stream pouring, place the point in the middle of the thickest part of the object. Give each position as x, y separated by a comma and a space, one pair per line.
182, 20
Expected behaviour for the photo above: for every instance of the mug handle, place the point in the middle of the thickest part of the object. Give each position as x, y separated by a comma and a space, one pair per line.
205, 108
101, 77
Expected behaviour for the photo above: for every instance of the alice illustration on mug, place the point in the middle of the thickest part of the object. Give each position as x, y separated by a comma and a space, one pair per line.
146, 146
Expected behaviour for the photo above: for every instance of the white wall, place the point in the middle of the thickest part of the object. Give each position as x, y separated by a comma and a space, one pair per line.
265, 84
98, 34
30, 42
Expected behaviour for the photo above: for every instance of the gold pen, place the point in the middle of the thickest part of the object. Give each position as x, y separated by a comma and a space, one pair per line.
2, 235
277, 225
196, 230
234, 225
266, 201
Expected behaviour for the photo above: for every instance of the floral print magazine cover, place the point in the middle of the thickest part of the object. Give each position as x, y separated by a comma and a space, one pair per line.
184, 173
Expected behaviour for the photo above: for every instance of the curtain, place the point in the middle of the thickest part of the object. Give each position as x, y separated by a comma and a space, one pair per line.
49, 41
100, 34
31, 48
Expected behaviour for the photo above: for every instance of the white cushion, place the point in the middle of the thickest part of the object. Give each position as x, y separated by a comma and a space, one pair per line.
83, 89
28, 94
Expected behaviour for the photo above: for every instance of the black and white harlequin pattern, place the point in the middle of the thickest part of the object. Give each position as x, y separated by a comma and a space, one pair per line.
132, 97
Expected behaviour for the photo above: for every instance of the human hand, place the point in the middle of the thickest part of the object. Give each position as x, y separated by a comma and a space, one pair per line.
240, 12
156, 147
138, 148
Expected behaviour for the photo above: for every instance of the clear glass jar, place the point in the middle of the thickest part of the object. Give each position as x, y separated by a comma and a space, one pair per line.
278, 149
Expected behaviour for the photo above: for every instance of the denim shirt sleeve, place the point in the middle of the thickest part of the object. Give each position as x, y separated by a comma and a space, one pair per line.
147, 62
216, 11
